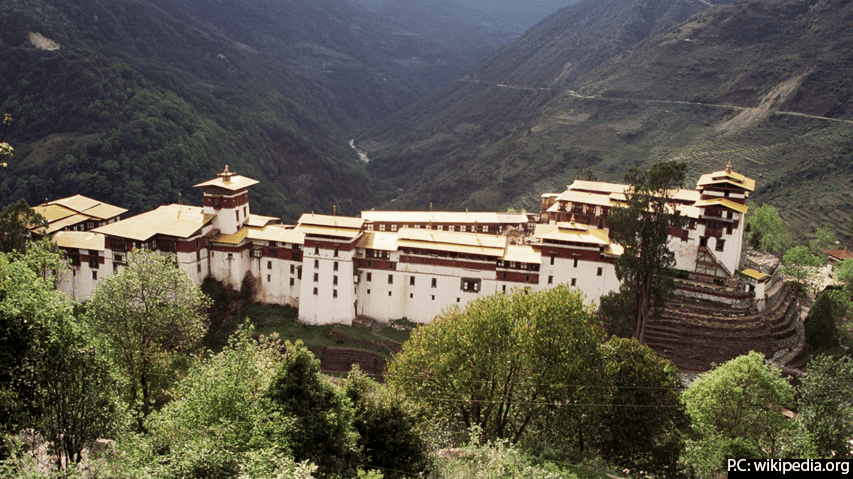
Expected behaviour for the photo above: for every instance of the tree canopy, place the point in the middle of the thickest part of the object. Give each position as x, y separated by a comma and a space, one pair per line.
798, 262
145, 314
642, 228
505, 364
643, 424
736, 411
825, 403
766, 231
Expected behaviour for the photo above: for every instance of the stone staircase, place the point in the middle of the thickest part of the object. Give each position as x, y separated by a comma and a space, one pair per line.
694, 335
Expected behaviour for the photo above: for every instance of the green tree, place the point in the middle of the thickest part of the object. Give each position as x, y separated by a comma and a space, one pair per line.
643, 426
824, 239
220, 422
53, 381
798, 262
145, 315
736, 411
821, 324
5, 148
386, 427
844, 274
642, 228
826, 405
505, 364
323, 432
766, 231
16, 220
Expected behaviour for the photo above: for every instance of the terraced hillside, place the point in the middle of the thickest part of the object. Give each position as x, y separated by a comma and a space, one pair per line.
695, 335
766, 84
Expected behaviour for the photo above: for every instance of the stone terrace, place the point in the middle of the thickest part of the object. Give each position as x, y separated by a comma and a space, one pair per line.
696, 334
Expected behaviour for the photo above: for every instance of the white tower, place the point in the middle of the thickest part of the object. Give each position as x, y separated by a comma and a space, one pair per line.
227, 199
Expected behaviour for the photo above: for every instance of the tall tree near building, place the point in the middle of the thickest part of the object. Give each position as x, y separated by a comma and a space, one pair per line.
507, 364
146, 314
642, 228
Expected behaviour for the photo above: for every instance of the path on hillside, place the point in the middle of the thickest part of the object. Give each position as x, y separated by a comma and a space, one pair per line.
674, 102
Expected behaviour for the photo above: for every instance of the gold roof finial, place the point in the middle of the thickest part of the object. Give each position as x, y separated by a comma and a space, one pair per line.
729, 167
572, 221
226, 175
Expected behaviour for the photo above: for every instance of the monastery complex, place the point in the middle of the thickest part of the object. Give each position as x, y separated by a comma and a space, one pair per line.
394, 264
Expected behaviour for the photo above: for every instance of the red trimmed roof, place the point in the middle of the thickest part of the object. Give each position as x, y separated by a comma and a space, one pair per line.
839, 254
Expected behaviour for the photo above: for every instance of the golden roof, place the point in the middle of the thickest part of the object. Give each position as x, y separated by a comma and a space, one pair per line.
259, 221
601, 199
383, 241
754, 274
53, 212
310, 219
457, 217
278, 233
105, 211
79, 204
235, 238
180, 221
80, 240
574, 232
522, 254
726, 176
66, 222
724, 203
472, 243
347, 233
229, 181
617, 189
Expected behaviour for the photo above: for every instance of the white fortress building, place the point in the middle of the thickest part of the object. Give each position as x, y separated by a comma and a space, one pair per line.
402, 264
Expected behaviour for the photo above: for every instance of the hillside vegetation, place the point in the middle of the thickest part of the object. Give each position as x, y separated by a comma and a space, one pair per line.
134, 102
764, 84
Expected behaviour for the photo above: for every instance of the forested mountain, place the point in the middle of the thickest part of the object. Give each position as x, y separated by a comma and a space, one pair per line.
765, 84
132, 102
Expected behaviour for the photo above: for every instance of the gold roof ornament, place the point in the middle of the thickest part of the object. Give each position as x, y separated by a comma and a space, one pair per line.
226, 175
572, 221
729, 167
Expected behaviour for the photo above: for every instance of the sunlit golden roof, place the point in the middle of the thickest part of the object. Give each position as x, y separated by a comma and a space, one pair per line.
379, 240
279, 233
726, 176
180, 221
724, 203
574, 232
259, 221
56, 209
66, 222
754, 274
310, 219
79, 239
522, 254
53, 212
229, 181
449, 217
471, 243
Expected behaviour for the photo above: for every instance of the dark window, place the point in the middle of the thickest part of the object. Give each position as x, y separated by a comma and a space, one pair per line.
552, 258
95, 275
703, 241
292, 268
316, 249
434, 283
369, 277
721, 243
316, 277
471, 285
334, 293
389, 293
334, 280
269, 278
576, 262
299, 273
335, 266
292, 282
411, 281
269, 264
93, 262
335, 254
550, 280
316, 264
315, 291
390, 279
273, 252
574, 281
600, 271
